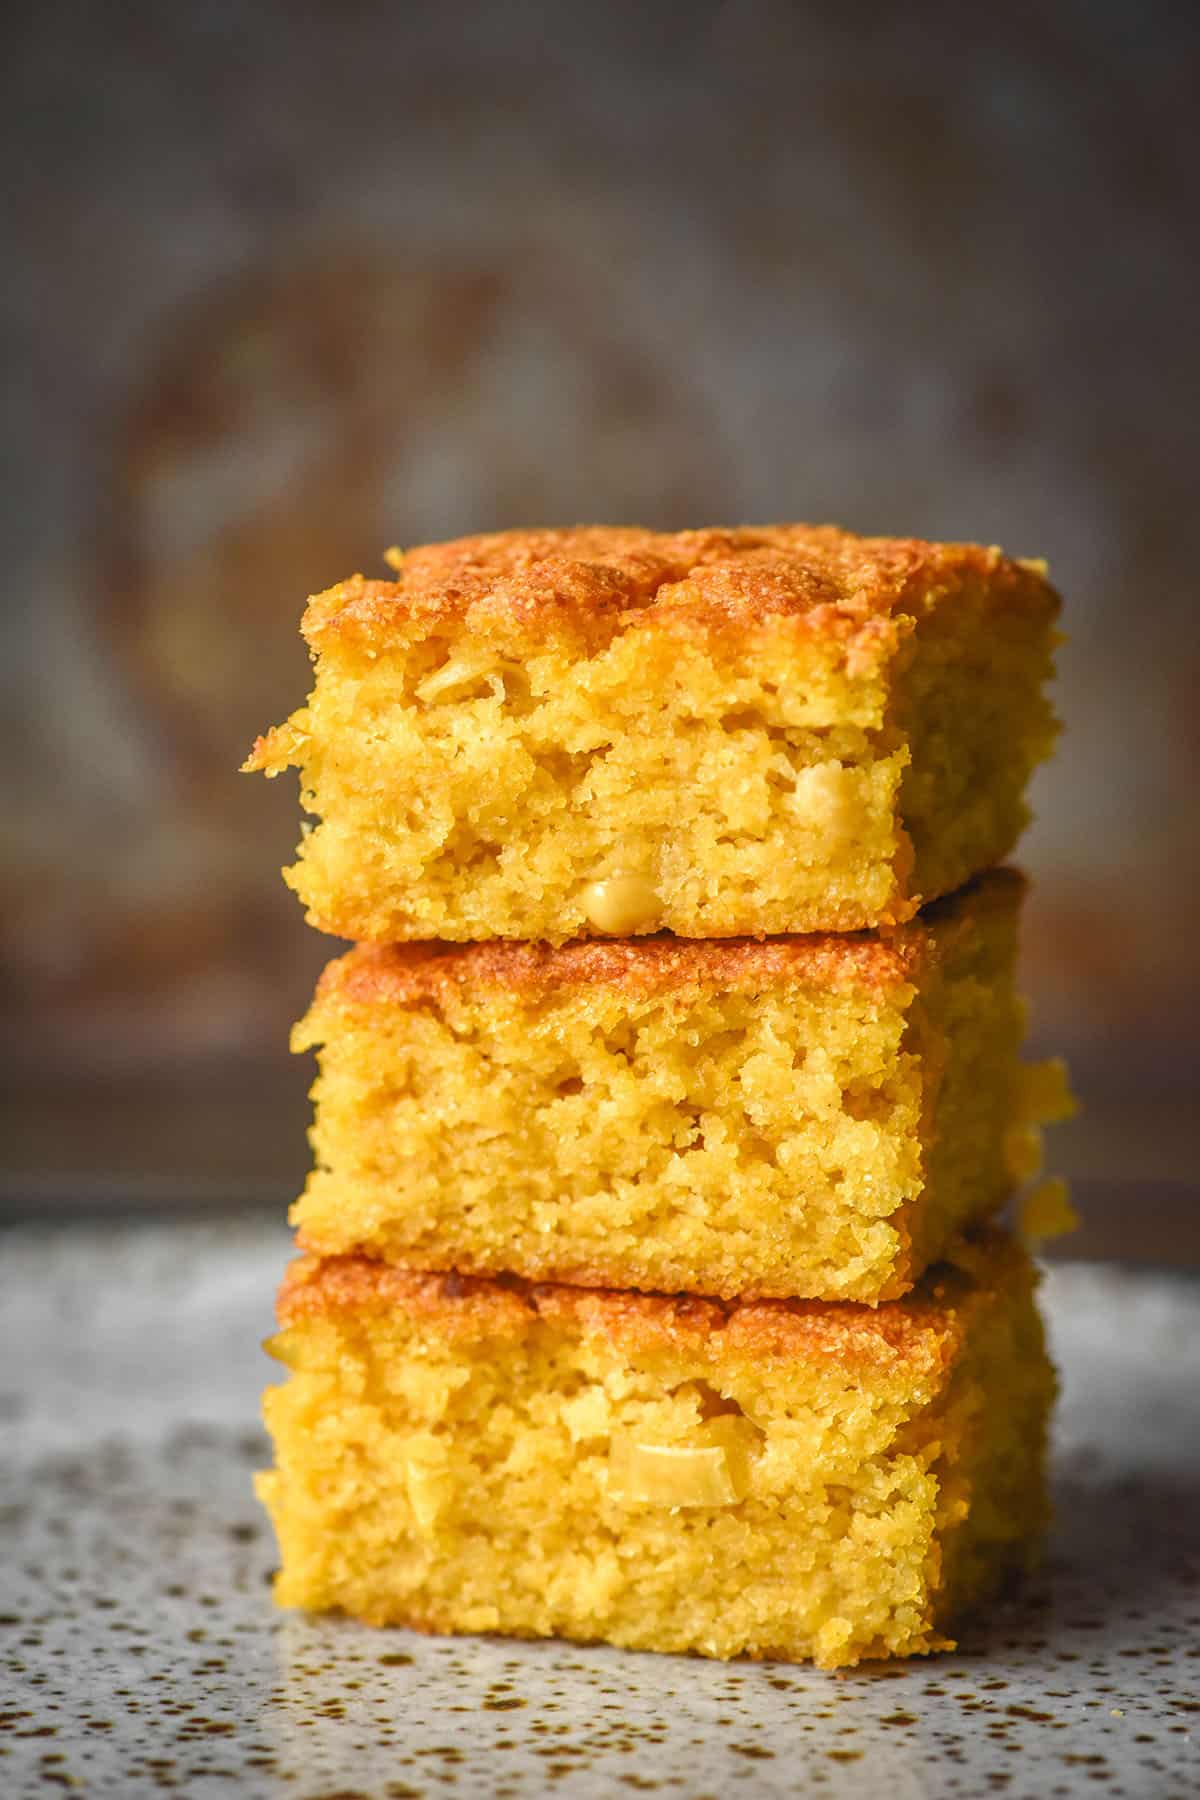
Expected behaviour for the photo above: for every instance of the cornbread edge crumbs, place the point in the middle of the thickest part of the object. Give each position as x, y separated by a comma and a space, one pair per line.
550, 734
809, 1117
776, 1478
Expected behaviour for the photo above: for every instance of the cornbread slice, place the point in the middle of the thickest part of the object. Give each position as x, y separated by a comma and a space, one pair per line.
771, 1478
549, 734
813, 1116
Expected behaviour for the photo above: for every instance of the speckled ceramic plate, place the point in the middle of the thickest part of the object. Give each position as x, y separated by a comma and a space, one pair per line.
140, 1653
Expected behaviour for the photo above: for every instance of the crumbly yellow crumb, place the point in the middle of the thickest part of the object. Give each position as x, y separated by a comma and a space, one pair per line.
812, 1116
768, 1479
1047, 1213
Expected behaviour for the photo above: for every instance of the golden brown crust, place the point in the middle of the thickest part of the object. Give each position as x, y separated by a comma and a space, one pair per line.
587, 577
924, 1329
405, 974
545, 1270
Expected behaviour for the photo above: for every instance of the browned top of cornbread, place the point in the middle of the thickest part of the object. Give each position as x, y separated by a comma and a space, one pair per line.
923, 1330
402, 974
586, 577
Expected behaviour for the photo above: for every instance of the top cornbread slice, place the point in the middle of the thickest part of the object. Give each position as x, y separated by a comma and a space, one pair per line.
547, 734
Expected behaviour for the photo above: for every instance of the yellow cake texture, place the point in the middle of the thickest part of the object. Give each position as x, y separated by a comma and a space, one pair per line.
812, 1116
610, 731
773, 1478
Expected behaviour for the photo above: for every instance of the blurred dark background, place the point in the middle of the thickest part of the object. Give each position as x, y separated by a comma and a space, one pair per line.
284, 284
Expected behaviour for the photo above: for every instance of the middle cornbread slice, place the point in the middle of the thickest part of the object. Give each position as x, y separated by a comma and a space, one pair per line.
812, 1116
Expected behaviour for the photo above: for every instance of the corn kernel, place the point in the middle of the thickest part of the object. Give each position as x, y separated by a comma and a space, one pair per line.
455, 679
620, 904
712, 1470
671, 1475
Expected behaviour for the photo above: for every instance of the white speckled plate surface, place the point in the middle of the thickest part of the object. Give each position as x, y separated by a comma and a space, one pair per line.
140, 1654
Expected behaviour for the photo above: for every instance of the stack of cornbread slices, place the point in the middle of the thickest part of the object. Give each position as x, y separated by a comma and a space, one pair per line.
647, 1289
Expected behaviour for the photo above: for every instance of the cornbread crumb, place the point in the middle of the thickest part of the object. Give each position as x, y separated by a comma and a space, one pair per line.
1047, 1213
814, 1116
767, 1479
777, 729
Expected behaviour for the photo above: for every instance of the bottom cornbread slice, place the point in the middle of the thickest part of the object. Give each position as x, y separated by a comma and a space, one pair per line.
772, 1478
